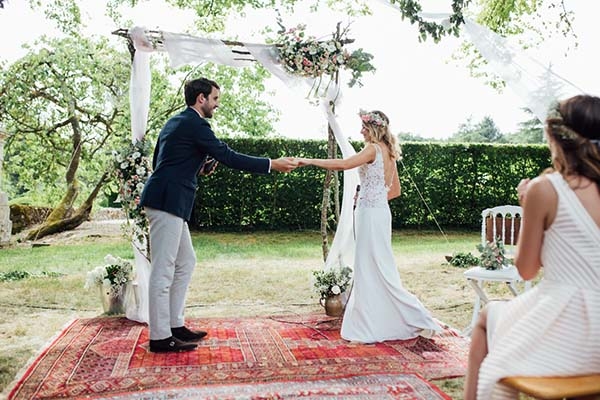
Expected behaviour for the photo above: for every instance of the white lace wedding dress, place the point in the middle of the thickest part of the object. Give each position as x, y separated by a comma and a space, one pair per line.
379, 308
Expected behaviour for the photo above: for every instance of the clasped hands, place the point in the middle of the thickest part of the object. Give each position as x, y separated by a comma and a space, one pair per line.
288, 164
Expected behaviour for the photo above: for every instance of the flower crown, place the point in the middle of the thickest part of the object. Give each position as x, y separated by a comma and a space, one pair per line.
372, 118
557, 124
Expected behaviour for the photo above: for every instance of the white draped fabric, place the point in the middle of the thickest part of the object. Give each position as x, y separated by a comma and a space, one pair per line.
532, 80
136, 307
187, 49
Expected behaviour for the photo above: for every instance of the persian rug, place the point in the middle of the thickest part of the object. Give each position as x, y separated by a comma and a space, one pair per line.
108, 357
369, 387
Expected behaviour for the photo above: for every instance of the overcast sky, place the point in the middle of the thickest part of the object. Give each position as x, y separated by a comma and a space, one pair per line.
416, 84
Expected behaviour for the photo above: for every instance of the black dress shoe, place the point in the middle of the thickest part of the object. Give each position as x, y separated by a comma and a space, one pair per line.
170, 344
183, 333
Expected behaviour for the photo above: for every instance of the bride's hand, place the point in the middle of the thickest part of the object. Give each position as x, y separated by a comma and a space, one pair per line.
302, 162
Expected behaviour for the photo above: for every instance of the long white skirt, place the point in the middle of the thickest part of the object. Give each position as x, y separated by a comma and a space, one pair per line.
379, 308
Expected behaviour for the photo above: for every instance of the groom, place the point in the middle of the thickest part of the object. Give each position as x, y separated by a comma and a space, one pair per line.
183, 145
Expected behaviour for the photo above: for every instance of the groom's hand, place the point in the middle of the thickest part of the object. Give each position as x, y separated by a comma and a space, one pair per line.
303, 162
284, 164
209, 166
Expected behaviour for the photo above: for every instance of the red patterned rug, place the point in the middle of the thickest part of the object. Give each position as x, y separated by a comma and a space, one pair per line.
108, 357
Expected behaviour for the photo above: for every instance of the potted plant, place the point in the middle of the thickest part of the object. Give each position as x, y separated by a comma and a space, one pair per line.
330, 283
112, 281
463, 260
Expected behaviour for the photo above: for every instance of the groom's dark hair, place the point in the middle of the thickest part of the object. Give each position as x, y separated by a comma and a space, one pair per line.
193, 89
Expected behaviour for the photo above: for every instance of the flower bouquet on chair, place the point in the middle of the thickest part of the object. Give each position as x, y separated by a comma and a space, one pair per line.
492, 255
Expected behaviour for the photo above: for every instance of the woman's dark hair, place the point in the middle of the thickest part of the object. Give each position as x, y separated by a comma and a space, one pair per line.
192, 89
574, 130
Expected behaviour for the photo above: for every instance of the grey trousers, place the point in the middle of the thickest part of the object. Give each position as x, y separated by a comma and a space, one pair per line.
173, 260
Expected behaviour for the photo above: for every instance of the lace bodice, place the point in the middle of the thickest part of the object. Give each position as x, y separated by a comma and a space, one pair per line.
373, 191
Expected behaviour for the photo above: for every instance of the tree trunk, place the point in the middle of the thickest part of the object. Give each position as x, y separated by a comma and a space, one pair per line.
64, 209
81, 215
325, 203
60, 219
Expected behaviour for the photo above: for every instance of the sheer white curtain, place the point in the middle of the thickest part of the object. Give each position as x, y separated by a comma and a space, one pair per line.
530, 78
136, 307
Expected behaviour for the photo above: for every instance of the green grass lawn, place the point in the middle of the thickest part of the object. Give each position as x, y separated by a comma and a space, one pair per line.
237, 274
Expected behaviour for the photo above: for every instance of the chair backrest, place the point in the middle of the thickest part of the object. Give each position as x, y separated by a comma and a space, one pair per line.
502, 222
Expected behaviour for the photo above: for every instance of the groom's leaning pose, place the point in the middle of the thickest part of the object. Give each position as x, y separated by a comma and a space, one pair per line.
183, 144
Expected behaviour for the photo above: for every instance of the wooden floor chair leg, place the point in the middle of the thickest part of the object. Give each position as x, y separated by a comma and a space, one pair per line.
552, 388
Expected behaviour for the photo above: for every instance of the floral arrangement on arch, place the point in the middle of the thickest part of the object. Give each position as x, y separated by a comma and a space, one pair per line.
132, 168
308, 56
111, 277
492, 254
332, 281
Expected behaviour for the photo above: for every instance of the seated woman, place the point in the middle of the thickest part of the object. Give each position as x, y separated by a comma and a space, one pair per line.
554, 328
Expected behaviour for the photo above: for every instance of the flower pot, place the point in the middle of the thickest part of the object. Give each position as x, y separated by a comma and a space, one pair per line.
113, 303
333, 305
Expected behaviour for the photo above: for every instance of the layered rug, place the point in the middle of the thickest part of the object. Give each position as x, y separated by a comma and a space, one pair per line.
286, 357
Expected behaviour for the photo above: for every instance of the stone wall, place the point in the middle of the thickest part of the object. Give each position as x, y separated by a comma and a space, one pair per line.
25, 216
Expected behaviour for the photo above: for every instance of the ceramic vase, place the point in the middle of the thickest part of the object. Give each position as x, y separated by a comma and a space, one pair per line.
333, 305
113, 303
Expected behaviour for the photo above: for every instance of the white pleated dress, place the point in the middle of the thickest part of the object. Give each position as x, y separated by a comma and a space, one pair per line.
379, 308
554, 328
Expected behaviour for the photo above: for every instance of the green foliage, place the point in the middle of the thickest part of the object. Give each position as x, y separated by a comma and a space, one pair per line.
66, 14
530, 131
66, 105
62, 102
18, 275
404, 137
243, 109
411, 8
332, 281
359, 63
463, 260
13, 276
484, 131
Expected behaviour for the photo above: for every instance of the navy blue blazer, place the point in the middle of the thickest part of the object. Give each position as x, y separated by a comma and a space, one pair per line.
182, 146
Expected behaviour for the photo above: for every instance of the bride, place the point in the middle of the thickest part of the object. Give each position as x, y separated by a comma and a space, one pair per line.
379, 308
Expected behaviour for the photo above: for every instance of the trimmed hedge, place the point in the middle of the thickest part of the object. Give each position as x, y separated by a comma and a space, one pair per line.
457, 181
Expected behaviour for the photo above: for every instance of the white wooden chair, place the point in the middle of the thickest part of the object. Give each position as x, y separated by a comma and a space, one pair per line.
502, 222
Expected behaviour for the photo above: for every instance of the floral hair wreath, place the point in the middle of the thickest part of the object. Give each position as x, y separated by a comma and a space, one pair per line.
372, 118
558, 127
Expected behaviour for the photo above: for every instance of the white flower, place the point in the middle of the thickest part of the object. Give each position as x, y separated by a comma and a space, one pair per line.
112, 276
335, 289
124, 164
110, 259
